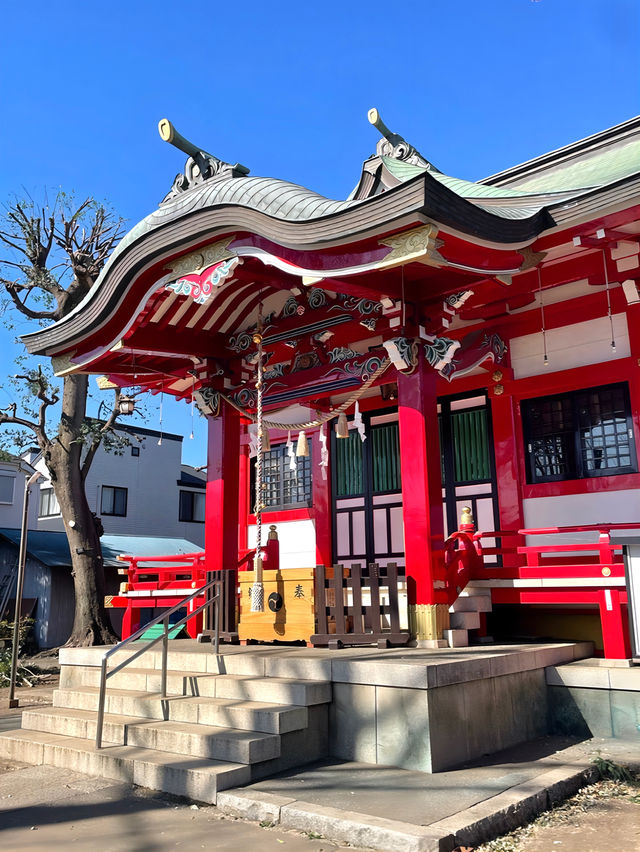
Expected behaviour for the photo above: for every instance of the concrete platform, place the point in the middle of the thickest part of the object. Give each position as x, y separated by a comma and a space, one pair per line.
416, 708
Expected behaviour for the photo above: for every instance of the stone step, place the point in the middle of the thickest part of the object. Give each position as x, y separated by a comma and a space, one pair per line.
180, 738
274, 690
260, 716
471, 603
471, 591
465, 620
263, 661
193, 777
457, 638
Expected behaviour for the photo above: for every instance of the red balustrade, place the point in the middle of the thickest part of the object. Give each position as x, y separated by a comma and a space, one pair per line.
163, 581
561, 571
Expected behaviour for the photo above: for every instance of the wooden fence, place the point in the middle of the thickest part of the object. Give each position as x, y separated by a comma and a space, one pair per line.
342, 616
228, 606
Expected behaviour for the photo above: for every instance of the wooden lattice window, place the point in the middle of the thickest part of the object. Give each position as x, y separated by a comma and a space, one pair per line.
580, 434
283, 488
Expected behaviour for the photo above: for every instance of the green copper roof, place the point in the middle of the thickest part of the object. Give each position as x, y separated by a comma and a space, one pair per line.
464, 188
596, 168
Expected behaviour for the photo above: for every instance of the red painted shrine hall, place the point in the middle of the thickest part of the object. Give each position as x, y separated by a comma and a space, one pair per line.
438, 345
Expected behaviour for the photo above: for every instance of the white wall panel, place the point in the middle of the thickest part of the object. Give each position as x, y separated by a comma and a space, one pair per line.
570, 346
605, 507
297, 542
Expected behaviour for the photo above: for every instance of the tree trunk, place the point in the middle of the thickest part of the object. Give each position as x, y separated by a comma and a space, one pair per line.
91, 624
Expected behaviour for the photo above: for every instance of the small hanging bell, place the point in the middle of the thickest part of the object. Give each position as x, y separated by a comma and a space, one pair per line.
342, 427
266, 443
302, 448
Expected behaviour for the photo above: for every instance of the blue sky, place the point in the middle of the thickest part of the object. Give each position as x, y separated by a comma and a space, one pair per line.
284, 88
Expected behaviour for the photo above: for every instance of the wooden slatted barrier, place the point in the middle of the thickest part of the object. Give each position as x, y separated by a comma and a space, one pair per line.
342, 616
228, 607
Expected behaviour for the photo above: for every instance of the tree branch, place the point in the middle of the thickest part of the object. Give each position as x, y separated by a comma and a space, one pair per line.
5, 418
11, 289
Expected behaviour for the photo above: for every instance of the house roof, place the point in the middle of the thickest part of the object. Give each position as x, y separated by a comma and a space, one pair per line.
52, 548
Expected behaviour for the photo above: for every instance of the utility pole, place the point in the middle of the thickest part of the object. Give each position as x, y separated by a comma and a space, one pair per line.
22, 558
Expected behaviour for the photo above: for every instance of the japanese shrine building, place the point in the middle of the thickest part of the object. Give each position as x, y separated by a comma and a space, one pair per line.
489, 332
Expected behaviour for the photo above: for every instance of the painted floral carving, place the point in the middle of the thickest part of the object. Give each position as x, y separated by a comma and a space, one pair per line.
200, 286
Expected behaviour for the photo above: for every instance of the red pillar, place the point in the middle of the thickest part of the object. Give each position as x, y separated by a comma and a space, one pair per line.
244, 498
507, 428
322, 503
614, 633
223, 464
422, 500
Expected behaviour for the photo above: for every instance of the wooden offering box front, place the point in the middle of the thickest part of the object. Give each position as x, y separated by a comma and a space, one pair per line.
288, 606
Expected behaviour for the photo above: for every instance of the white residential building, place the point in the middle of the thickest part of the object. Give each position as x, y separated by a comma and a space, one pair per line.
146, 490
14, 473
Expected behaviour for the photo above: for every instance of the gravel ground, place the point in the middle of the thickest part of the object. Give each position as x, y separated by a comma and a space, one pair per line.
604, 817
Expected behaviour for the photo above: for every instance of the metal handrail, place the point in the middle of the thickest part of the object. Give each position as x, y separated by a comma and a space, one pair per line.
164, 617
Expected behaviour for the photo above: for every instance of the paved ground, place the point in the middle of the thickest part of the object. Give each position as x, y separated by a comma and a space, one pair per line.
43, 808
415, 797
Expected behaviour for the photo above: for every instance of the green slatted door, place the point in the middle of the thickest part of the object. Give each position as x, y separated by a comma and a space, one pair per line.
468, 469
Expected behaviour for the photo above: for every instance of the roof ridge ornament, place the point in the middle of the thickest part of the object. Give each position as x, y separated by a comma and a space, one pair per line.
200, 166
396, 146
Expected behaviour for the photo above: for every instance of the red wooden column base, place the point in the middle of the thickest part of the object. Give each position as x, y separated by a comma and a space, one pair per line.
422, 501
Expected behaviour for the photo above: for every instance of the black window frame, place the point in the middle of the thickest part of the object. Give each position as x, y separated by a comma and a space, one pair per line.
187, 497
277, 475
135, 452
114, 488
570, 435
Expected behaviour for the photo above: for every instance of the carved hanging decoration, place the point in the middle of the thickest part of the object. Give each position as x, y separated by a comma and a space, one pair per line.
365, 368
403, 352
305, 361
196, 261
439, 351
208, 401
419, 244
341, 353
355, 304
291, 308
316, 298
473, 350
200, 286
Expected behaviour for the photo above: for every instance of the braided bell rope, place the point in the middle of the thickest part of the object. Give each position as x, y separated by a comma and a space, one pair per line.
257, 590
311, 424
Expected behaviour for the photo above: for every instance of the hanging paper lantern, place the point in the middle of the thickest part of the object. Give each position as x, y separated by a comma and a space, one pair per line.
302, 448
342, 427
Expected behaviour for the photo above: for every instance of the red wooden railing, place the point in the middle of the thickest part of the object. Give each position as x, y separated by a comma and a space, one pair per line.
163, 581
561, 571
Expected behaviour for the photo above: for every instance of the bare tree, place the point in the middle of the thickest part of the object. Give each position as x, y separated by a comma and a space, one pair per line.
53, 256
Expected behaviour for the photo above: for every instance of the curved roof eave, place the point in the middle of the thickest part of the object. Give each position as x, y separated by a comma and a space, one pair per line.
177, 228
